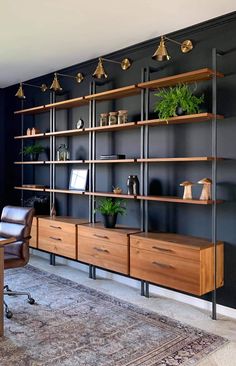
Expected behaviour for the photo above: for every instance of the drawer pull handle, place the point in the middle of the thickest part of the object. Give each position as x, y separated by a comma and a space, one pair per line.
101, 236
163, 265
52, 237
101, 250
163, 249
55, 227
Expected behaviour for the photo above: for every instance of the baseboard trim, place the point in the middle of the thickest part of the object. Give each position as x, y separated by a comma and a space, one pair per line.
156, 290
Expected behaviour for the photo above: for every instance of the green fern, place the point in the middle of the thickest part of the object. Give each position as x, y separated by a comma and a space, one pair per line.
109, 206
172, 98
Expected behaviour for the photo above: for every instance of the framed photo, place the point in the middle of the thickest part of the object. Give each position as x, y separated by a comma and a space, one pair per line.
78, 179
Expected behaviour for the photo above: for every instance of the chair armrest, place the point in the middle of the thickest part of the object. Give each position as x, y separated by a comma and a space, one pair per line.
7, 241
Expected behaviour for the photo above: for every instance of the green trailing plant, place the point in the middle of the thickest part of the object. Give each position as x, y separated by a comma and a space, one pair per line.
110, 206
180, 96
32, 149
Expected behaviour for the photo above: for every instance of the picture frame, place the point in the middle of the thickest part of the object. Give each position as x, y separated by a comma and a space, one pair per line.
78, 179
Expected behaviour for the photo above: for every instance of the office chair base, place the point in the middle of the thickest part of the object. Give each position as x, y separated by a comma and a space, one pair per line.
9, 292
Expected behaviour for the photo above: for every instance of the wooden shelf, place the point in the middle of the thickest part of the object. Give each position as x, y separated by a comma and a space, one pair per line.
33, 110
39, 162
110, 194
175, 160
69, 191
103, 161
69, 103
112, 128
191, 118
126, 91
187, 77
30, 189
37, 135
66, 132
64, 162
177, 200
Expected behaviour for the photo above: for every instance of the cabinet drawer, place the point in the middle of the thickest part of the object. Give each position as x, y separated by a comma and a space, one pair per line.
104, 235
57, 241
34, 234
56, 226
160, 247
166, 270
103, 254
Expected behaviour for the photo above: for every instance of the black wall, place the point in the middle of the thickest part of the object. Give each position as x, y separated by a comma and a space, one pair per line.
182, 140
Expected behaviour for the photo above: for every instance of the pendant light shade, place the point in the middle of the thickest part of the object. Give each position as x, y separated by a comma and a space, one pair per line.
55, 84
100, 73
161, 53
20, 92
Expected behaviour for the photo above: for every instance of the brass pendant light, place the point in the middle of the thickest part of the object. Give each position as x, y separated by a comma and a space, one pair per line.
100, 73
55, 86
79, 77
161, 53
20, 92
125, 64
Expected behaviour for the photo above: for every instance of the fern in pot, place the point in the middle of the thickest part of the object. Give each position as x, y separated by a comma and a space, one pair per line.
176, 101
110, 208
33, 151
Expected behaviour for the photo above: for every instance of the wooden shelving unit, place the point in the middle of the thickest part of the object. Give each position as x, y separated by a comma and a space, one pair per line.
36, 136
174, 199
111, 161
64, 162
29, 189
29, 162
192, 118
176, 160
126, 91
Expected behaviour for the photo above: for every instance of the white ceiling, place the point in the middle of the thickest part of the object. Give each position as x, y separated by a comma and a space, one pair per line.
41, 36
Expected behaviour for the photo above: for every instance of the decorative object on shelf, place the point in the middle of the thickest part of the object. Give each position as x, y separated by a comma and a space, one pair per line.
176, 101
80, 123
79, 77
133, 185
41, 204
122, 116
35, 131
33, 151
78, 179
100, 72
117, 190
187, 189
104, 119
63, 153
206, 189
161, 53
109, 209
28, 131
112, 157
53, 211
20, 92
113, 118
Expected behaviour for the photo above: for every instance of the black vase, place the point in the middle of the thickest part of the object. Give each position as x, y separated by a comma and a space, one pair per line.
110, 220
34, 157
179, 111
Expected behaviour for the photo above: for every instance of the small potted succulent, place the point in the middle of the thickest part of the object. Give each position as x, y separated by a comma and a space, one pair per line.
176, 101
109, 209
33, 151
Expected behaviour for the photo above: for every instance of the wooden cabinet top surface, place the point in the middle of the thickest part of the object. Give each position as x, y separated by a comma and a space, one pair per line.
66, 219
177, 239
119, 229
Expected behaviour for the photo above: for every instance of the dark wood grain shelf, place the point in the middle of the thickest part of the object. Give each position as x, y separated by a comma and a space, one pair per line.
126, 91
191, 118
180, 159
177, 200
186, 77
36, 136
38, 162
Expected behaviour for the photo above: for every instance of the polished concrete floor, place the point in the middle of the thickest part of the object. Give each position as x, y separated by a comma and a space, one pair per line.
226, 327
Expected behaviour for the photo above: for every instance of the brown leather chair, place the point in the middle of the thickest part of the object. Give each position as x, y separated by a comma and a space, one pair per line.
16, 222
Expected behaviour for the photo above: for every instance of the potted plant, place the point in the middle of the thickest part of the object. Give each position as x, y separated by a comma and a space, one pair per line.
109, 209
176, 101
33, 151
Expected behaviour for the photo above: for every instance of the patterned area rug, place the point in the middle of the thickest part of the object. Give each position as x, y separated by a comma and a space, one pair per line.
74, 325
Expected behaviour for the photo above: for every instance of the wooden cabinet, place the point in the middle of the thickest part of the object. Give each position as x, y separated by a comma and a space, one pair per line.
34, 234
181, 262
58, 235
106, 248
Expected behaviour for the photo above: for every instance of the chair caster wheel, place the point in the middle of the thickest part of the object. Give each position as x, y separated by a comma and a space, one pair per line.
31, 301
9, 314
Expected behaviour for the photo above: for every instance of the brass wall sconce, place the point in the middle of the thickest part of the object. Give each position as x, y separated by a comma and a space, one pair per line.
20, 92
161, 54
100, 72
55, 86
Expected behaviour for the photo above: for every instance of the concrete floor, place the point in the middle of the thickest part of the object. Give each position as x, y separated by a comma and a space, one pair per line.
224, 326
